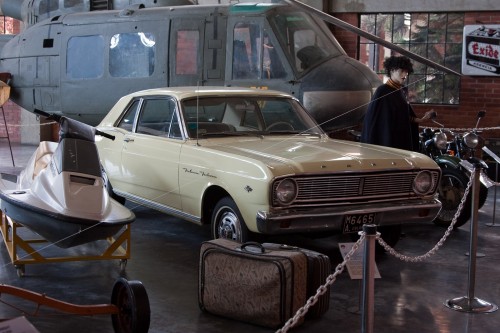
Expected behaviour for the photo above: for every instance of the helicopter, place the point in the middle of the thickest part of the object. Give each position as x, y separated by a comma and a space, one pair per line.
80, 60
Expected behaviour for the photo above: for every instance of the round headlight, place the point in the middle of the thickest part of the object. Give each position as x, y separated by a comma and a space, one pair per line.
286, 191
440, 140
423, 182
471, 140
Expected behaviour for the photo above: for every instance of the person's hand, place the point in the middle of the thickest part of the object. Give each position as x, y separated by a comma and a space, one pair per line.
429, 114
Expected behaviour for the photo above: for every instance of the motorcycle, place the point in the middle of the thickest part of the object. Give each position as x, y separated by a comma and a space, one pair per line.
443, 147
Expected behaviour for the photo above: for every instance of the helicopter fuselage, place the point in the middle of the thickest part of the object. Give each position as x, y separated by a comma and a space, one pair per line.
80, 64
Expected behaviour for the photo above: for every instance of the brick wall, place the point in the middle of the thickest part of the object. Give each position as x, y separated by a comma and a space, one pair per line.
476, 92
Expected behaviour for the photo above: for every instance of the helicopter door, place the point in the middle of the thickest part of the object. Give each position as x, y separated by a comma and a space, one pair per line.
38, 71
196, 51
255, 58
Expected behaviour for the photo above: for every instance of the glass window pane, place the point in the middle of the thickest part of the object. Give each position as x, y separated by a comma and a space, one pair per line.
384, 27
85, 56
451, 89
186, 56
455, 28
305, 36
47, 6
156, 118
437, 28
434, 89
367, 23
453, 57
127, 122
435, 36
416, 88
419, 28
132, 55
246, 55
401, 29
271, 63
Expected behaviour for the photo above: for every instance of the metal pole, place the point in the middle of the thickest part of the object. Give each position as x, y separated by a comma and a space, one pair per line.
492, 224
470, 303
370, 231
473, 235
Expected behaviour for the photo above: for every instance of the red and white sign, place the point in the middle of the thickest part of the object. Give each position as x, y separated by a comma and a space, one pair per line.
481, 51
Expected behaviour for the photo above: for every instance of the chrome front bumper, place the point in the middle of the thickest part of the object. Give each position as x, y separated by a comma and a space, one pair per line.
331, 219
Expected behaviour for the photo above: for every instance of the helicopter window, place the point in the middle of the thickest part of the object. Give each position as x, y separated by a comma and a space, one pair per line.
132, 55
246, 53
186, 56
72, 3
306, 38
84, 57
158, 118
254, 55
271, 63
47, 6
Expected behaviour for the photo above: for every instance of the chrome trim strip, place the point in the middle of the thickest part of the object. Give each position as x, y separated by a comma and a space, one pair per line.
162, 208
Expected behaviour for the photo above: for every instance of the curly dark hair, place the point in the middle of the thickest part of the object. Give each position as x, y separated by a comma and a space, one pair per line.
397, 62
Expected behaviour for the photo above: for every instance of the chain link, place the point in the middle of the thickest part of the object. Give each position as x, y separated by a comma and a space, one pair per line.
468, 129
323, 288
439, 244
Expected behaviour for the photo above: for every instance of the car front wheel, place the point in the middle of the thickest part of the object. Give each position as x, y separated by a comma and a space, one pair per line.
227, 221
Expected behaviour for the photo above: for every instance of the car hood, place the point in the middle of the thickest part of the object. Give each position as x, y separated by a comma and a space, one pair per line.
313, 154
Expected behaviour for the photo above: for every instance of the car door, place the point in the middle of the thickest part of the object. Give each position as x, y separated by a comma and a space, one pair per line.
150, 154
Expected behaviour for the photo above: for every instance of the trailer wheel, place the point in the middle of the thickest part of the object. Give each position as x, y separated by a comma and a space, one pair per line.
132, 301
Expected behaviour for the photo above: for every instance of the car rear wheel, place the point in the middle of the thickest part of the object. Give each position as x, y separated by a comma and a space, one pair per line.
227, 221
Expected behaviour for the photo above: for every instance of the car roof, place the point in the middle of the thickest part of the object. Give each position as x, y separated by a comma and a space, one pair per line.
191, 91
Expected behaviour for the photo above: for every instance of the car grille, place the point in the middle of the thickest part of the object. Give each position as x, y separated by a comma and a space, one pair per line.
355, 187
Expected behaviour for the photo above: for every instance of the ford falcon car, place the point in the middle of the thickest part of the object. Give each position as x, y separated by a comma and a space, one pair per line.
254, 161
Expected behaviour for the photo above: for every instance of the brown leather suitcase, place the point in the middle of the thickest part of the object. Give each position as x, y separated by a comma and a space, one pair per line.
249, 283
319, 267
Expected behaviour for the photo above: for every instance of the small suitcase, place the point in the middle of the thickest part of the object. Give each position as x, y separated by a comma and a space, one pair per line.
252, 284
319, 268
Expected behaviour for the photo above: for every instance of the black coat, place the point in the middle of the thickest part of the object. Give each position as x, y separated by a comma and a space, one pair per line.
388, 121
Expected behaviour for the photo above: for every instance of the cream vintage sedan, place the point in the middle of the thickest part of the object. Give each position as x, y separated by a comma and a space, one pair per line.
254, 161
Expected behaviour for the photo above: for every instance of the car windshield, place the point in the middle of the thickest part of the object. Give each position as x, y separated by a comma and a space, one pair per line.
246, 115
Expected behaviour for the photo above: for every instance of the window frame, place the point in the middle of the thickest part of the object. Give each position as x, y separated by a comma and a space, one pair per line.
426, 85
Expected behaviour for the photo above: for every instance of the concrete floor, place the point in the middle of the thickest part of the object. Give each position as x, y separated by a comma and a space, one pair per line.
409, 297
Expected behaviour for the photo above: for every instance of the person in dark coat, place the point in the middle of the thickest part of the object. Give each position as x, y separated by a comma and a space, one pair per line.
390, 120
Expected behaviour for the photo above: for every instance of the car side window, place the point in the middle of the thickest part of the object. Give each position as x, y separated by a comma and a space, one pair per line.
127, 121
158, 117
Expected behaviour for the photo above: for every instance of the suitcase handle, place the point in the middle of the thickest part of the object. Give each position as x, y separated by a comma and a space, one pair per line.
245, 246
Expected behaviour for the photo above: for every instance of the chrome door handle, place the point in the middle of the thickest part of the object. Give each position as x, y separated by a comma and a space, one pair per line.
128, 140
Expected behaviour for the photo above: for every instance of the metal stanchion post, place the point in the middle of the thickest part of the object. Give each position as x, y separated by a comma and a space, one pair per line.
368, 278
492, 224
470, 303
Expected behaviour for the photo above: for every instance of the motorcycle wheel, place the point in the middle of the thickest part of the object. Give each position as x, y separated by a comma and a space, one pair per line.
451, 191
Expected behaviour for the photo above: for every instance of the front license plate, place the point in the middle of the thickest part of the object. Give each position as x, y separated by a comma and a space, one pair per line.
354, 222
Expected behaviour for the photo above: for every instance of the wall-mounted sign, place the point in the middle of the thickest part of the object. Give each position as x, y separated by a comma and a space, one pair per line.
481, 50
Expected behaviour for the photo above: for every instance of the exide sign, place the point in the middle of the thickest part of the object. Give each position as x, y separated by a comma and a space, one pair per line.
481, 55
